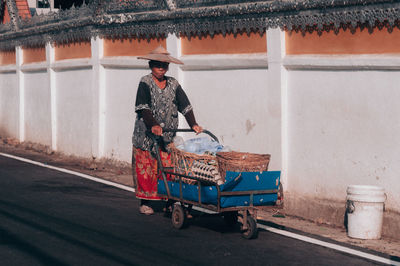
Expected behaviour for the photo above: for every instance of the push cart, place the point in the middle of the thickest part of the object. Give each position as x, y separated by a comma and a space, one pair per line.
238, 198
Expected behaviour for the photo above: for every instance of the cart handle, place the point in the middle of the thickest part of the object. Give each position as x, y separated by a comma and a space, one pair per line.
155, 139
191, 130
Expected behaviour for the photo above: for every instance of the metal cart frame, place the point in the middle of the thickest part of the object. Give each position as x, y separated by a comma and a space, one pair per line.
230, 214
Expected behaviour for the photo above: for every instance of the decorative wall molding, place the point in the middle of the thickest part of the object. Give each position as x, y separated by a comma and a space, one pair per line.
158, 18
34, 67
8, 68
127, 62
342, 62
224, 62
67, 64
13, 13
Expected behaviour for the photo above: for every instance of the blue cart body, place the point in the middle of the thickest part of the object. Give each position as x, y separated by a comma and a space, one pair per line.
241, 182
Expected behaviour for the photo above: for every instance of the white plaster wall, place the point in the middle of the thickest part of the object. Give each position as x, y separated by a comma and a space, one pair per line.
341, 122
343, 130
74, 111
120, 96
236, 106
37, 107
9, 105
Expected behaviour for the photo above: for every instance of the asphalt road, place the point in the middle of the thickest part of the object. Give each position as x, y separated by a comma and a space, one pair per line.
52, 218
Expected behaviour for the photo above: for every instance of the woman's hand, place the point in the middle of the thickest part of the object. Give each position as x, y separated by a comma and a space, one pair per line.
156, 130
198, 129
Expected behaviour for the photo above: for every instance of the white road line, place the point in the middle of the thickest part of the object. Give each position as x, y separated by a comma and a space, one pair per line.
319, 242
69, 172
329, 245
268, 228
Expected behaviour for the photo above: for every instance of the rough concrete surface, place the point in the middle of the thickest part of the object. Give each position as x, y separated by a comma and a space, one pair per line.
120, 172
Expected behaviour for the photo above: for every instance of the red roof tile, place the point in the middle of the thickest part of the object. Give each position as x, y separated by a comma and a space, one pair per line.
23, 8
23, 11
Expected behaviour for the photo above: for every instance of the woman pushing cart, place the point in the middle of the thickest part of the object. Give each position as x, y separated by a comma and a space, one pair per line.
188, 178
159, 98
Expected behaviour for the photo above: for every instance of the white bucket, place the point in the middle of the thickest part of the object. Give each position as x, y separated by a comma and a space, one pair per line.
364, 208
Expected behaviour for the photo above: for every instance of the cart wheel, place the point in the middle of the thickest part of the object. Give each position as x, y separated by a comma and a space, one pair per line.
251, 231
230, 218
178, 216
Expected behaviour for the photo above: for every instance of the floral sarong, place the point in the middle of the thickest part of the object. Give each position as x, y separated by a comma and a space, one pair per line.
147, 173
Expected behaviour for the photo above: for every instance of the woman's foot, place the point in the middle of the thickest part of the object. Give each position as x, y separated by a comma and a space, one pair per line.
188, 210
144, 209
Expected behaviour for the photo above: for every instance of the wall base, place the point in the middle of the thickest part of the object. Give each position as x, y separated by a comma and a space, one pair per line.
330, 212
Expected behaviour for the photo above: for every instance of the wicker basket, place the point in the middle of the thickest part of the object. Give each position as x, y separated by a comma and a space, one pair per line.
242, 162
185, 162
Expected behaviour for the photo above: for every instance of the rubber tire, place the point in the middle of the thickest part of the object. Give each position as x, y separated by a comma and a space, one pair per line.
178, 217
251, 231
230, 218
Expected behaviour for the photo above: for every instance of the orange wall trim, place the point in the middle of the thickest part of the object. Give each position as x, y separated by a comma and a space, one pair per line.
73, 50
131, 47
345, 42
33, 55
7, 58
230, 44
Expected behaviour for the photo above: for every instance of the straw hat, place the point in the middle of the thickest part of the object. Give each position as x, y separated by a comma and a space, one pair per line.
162, 55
